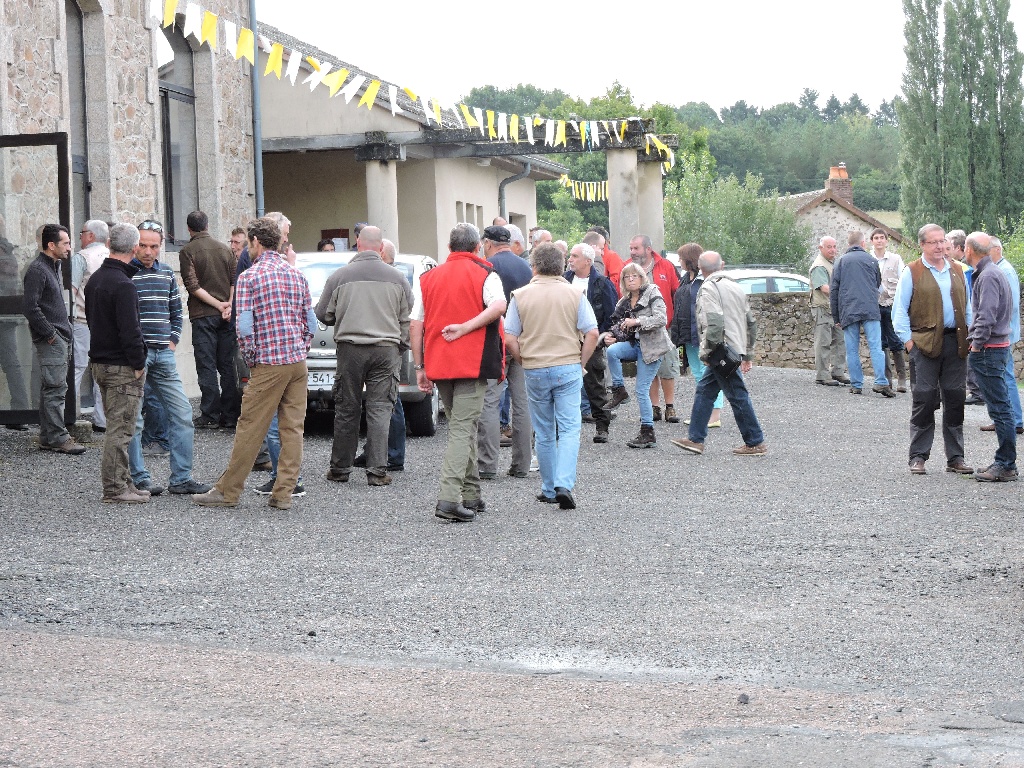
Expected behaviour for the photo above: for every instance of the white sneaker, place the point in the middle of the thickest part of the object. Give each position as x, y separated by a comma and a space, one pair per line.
534, 466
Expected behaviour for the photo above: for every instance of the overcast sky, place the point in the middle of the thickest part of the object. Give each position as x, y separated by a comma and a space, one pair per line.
717, 52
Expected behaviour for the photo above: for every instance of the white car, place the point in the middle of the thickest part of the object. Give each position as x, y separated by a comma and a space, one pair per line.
768, 281
421, 409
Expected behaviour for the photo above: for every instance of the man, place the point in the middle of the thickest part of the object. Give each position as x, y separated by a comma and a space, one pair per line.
517, 244
663, 274
237, 243
457, 342
989, 338
50, 328
161, 317
117, 353
94, 236
595, 241
611, 261
584, 277
931, 314
545, 321
275, 326
829, 347
996, 254
539, 236
723, 315
853, 296
890, 265
514, 274
499, 222
208, 273
956, 242
368, 303
325, 246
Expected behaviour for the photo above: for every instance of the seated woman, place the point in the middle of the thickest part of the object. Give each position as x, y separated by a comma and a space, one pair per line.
638, 333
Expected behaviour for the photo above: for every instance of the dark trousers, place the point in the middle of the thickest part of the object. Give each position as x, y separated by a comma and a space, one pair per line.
377, 368
934, 382
214, 343
593, 385
989, 367
890, 340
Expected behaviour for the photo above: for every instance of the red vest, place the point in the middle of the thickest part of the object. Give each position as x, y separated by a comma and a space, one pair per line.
453, 293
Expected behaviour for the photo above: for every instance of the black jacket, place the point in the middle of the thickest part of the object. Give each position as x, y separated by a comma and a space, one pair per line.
112, 308
684, 306
601, 295
44, 300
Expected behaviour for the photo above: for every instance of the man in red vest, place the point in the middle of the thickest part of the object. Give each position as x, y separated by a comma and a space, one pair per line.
458, 343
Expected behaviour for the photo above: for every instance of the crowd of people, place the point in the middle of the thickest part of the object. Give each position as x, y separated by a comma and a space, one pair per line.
524, 346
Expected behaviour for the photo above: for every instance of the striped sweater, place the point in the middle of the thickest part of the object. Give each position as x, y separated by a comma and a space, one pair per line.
159, 304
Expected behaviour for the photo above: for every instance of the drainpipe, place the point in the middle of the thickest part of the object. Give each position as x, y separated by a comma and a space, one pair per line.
257, 122
502, 203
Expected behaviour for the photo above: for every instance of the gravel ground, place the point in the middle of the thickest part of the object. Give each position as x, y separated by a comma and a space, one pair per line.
870, 617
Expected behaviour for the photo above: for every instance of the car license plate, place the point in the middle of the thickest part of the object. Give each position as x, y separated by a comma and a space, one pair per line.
322, 379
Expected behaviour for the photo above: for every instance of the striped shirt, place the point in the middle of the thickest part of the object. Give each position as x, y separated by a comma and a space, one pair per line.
160, 309
276, 297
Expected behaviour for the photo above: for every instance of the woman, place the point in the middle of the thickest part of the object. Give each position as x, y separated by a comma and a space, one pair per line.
684, 320
638, 333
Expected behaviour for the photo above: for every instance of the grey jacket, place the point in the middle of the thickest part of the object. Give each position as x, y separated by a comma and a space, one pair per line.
44, 300
992, 303
853, 295
723, 314
650, 310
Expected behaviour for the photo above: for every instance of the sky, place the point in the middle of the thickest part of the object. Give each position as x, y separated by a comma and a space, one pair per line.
718, 52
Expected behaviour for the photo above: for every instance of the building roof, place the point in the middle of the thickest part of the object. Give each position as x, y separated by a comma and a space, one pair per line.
806, 201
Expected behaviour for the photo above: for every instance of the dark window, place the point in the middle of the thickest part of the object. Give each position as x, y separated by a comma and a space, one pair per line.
178, 126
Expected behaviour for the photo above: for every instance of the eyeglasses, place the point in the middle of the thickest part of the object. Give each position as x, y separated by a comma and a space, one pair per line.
154, 226
933, 242
632, 277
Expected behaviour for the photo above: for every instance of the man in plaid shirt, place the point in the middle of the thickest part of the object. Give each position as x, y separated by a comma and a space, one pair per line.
275, 325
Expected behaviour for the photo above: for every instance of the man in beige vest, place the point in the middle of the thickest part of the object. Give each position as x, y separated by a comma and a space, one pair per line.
543, 326
829, 346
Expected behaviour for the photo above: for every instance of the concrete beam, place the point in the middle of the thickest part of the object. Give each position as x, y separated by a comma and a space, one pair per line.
382, 198
623, 203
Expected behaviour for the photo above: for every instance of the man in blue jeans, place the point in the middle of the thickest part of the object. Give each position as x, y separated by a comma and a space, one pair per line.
543, 325
161, 316
853, 298
996, 254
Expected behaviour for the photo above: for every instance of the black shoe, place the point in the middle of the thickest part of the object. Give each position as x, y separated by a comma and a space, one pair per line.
99, 429
266, 489
488, 475
262, 466
477, 505
547, 499
205, 422
336, 477
518, 472
601, 436
228, 425
149, 485
829, 383
359, 461
841, 379
396, 467
453, 510
588, 418
565, 498
974, 400
191, 487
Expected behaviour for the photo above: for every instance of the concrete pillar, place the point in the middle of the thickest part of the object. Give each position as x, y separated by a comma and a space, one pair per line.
652, 204
623, 202
382, 197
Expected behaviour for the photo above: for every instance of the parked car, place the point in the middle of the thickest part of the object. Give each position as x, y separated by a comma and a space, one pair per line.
421, 409
769, 281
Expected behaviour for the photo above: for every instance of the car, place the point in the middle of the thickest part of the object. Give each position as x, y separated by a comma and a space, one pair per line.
422, 410
754, 281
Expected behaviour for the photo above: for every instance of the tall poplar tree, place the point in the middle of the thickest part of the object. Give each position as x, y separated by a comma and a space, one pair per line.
1003, 64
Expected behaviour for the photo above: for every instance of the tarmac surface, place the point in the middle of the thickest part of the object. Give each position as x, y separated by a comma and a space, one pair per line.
816, 606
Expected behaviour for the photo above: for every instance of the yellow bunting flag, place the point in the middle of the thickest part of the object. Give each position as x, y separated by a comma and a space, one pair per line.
537, 121
560, 133
334, 80
275, 60
471, 121
170, 8
209, 30
564, 180
369, 95
490, 125
622, 130
246, 46
513, 127
437, 110
410, 94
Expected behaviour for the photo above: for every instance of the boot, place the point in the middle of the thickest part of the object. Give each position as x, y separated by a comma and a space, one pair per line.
670, 414
887, 353
901, 370
645, 439
657, 413
619, 396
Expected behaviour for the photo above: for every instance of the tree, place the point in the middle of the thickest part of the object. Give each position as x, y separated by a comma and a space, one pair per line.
855, 106
521, 100
738, 112
698, 115
562, 219
1004, 64
833, 109
886, 115
809, 101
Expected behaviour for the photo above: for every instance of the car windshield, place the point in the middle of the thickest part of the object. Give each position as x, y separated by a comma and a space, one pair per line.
318, 272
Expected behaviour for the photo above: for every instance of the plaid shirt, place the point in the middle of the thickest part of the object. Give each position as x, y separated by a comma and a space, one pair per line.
277, 294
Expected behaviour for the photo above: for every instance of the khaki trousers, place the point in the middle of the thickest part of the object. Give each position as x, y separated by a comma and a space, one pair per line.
279, 389
122, 398
463, 400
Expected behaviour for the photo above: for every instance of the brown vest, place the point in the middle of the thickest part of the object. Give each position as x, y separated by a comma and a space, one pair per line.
926, 309
547, 310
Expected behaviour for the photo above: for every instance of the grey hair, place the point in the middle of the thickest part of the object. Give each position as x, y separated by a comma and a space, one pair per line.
99, 229
517, 234
821, 242
996, 242
922, 233
645, 240
536, 234
586, 251
279, 218
710, 261
547, 259
123, 238
464, 238
389, 249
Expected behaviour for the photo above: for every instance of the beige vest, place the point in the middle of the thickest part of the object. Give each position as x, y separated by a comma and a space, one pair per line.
818, 298
548, 308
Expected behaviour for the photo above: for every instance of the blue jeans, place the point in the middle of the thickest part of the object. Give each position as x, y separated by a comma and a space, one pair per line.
505, 411
645, 373
162, 376
873, 333
697, 366
154, 419
735, 389
274, 447
1011, 386
554, 395
396, 435
989, 366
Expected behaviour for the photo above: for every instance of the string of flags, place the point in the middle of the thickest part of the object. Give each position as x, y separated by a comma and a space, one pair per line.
240, 42
585, 190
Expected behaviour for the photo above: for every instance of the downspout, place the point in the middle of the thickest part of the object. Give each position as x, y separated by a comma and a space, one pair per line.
257, 121
502, 203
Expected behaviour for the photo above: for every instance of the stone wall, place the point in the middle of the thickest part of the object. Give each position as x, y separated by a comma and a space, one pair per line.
784, 333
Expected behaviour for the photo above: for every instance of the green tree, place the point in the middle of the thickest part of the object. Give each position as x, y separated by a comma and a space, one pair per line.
855, 106
809, 101
521, 100
833, 109
886, 115
738, 112
698, 115
562, 219
1003, 64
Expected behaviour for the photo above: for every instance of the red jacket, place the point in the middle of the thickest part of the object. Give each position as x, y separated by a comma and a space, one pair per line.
612, 267
664, 276
453, 293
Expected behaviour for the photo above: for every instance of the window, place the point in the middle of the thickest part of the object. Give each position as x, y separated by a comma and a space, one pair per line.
754, 284
789, 285
77, 132
178, 127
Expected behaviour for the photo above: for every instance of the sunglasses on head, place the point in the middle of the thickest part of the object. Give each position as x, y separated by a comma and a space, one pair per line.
154, 226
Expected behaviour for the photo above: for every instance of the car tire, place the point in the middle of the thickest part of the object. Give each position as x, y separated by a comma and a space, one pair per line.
421, 417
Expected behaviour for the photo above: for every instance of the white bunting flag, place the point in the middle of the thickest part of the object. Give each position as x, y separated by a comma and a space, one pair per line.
354, 85
294, 60
549, 133
265, 44
453, 107
231, 38
427, 111
595, 135
478, 113
193, 21
502, 126
393, 97
528, 124
317, 75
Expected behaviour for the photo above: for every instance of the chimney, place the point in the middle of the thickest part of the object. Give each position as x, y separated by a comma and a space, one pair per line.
839, 182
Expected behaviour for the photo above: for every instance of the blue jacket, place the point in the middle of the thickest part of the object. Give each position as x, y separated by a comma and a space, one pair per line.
853, 294
601, 295
513, 271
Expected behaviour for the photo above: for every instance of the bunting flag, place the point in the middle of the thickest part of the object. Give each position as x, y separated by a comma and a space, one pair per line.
549, 133
246, 46
560, 133
318, 74
528, 124
502, 126
410, 94
170, 9
393, 98
437, 112
294, 60
426, 108
208, 33
471, 122
490, 125
334, 80
369, 95
513, 127
265, 44
479, 115
585, 190
595, 134
193, 21
231, 38
275, 60
349, 91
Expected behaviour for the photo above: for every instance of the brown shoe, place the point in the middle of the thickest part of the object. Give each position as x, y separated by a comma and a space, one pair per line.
272, 502
645, 438
996, 474
657, 413
336, 477
988, 428
127, 496
751, 450
670, 414
68, 447
377, 480
619, 396
689, 445
917, 466
959, 466
212, 498
885, 391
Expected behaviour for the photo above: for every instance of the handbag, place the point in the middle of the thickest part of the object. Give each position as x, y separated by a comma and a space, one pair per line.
724, 359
